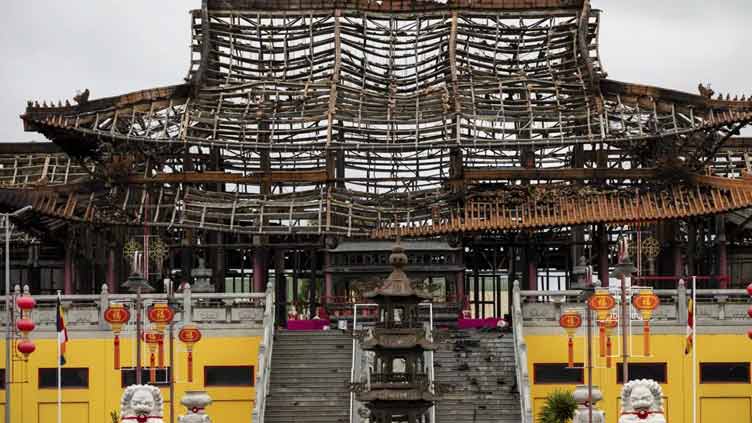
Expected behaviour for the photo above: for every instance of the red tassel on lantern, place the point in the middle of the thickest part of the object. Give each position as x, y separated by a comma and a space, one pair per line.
153, 339
602, 331
189, 335
646, 302
117, 316
608, 352
116, 359
153, 369
570, 320
611, 323
190, 366
161, 353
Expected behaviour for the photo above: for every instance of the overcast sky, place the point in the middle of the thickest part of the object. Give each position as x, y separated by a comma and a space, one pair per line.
52, 48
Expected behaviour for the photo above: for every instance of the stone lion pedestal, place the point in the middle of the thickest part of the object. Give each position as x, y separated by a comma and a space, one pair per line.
642, 402
141, 404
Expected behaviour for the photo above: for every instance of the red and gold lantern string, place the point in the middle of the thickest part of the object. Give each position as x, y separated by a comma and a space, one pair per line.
189, 335
153, 338
160, 315
602, 302
117, 316
25, 325
646, 302
570, 321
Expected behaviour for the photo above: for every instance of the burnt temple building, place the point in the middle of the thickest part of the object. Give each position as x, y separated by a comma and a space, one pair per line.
308, 134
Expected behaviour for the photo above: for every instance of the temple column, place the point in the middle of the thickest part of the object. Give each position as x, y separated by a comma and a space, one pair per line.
328, 278
68, 272
219, 263
602, 245
678, 262
532, 269
691, 247
111, 283
459, 278
722, 250
259, 270
280, 286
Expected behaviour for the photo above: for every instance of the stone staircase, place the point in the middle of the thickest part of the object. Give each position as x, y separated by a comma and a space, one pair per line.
480, 367
310, 377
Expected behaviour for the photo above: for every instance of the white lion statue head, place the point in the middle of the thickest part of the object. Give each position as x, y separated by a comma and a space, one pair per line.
142, 400
642, 394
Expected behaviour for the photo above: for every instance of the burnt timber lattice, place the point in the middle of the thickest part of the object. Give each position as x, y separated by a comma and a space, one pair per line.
305, 123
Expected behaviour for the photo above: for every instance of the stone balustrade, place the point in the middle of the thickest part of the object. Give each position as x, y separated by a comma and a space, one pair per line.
86, 312
719, 307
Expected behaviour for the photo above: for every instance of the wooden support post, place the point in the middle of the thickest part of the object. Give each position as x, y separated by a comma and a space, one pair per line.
111, 282
328, 278
68, 265
280, 286
722, 250
602, 246
260, 274
691, 247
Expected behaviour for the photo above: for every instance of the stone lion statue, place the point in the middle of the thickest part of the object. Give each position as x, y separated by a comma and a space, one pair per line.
141, 404
642, 401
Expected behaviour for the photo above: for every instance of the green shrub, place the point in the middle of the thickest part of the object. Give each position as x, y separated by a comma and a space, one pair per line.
559, 408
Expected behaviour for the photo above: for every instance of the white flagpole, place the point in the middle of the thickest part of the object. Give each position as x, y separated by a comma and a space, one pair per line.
59, 368
694, 349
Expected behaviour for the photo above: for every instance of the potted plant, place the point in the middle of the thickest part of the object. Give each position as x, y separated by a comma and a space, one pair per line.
558, 408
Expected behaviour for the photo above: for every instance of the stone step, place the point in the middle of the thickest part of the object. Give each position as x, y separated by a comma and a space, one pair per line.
480, 367
310, 377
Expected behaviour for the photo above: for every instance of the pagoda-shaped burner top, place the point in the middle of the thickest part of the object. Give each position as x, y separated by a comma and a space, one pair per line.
397, 286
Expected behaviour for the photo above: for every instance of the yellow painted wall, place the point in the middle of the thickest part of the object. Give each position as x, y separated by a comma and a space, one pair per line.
728, 403
93, 405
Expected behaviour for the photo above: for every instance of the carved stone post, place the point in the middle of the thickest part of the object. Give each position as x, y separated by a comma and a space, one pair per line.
196, 403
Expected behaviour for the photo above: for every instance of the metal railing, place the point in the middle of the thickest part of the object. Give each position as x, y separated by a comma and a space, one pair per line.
520, 354
726, 306
263, 377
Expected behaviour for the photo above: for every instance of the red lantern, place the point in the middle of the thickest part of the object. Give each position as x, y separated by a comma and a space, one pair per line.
646, 302
570, 320
26, 303
749, 334
117, 315
161, 315
189, 335
25, 326
749, 289
26, 347
602, 302
749, 312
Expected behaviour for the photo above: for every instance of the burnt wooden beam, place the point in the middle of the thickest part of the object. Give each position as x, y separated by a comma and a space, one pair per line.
29, 148
269, 177
557, 174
